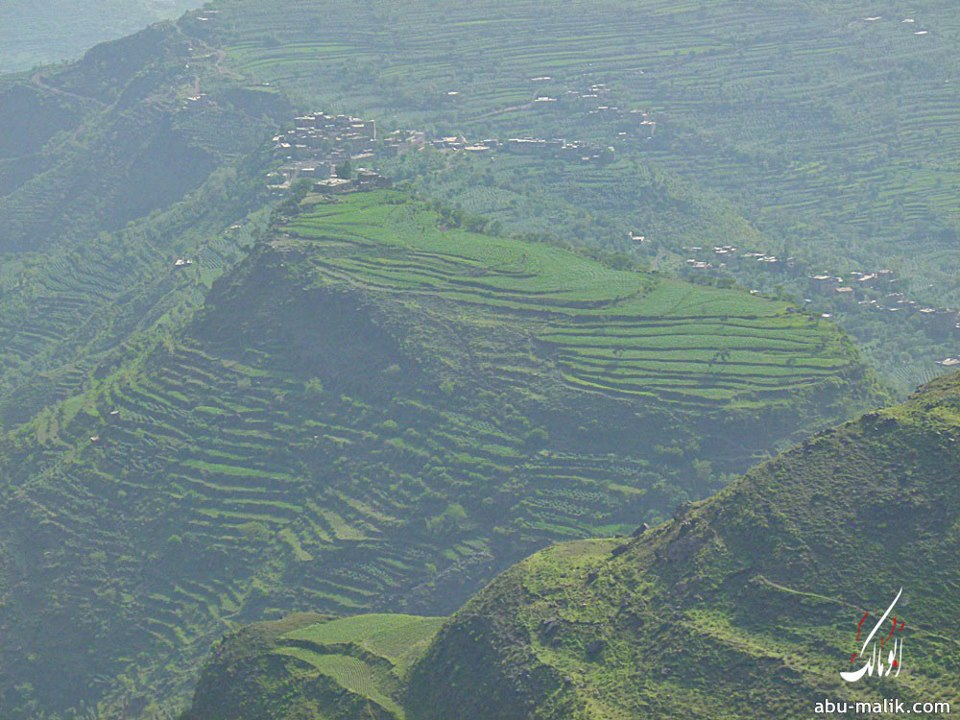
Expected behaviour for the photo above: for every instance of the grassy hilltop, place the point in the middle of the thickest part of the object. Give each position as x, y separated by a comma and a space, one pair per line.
744, 605
377, 410
314, 667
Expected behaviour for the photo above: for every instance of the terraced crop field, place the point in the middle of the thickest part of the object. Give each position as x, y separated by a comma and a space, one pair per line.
395, 638
352, 674
65, 313
611, 331
367, 408
309, 665
366, 655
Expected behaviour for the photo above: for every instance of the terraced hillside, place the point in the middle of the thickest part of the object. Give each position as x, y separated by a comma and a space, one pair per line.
808, 129
318, 667
108, 174
745, 605
739, 91
376, 411
612, 331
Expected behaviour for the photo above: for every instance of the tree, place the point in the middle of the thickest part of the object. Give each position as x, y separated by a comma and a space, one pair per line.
313, 388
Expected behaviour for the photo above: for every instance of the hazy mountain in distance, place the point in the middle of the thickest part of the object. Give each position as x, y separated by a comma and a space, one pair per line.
36, 32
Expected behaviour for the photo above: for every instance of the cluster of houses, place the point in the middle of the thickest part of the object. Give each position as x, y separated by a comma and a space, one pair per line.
320, 143
876, 290
870, 290
639, 121
727, 254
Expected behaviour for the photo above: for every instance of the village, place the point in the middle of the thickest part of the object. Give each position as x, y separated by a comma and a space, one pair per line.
869, 290
337, 152
325, 148
878, 291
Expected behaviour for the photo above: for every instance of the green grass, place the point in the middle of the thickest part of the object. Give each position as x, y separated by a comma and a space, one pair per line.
752, 149
398, 639
546, 394
479, 398
353, 674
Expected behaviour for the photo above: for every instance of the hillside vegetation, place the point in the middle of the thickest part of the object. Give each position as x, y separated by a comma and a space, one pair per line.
377, 410
219, 406
744, 605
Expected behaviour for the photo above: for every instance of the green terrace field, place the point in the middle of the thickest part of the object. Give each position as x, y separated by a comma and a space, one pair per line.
743, 605
612, 331
333, 668
738, 89
374, 405
98, 199
377, 410
341, 650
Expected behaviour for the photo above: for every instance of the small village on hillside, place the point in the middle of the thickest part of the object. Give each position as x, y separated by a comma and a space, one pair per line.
867, 290
336, 151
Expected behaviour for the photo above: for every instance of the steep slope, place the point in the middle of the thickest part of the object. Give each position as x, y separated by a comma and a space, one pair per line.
376, 411
110, 169
127, 140
745, 605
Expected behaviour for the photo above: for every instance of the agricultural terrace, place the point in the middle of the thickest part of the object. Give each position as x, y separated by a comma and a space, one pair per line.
823, 131
741, 87
612, 331
366, 655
